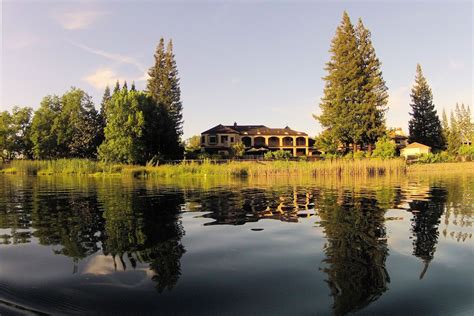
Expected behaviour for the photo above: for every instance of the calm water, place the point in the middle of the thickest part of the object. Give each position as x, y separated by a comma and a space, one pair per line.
383, 247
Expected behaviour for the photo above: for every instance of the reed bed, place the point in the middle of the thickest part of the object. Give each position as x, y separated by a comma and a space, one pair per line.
237, 169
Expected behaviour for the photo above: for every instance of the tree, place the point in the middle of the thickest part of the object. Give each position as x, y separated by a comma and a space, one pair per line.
463, 117
445, 127
355, 96
385, 148
326, 142
77, 126
424, 126
5, 135
454, 136
237, 149
374, 96
124, 141
193, 144
43, 136
163, 86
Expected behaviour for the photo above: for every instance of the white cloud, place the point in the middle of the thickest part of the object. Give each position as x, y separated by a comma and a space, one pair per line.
122, 59
455, 65
103, 77
76, 19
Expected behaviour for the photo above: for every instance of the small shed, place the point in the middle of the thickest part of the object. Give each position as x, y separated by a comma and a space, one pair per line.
414, 149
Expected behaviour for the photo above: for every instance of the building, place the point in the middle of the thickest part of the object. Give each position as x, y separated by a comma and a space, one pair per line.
257, 139
398, 136
414, 149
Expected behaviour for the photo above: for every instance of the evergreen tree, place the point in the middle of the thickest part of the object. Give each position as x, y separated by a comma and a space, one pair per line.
341, 91
125, 86
454, 136
445, 127
117, 87
374, 96
355, 96
163, 87
463, 116
103, 114
133, 86
424, 126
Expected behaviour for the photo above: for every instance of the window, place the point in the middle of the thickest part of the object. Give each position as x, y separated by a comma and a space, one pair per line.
232, 139
224, 139
212, 139
203, 139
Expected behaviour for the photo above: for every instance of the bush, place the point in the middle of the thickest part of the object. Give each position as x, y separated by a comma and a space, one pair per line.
436, 158
359, 154
384, 148
277, 155
466, 152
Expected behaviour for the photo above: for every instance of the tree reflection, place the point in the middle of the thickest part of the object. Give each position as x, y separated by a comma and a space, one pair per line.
144, 228
425, 222
356, 249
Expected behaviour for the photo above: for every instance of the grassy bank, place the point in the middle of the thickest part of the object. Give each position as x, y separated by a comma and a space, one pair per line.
363, 167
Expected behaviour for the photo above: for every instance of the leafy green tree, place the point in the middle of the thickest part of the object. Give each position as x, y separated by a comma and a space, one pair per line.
373, 91
424, 126
193, 144
5, 135
124, 141
21, 129
385, 148
43, 136
326, 142
78, 125
238, 150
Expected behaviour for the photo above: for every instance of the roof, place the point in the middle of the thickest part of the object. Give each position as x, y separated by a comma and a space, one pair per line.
417, 145
253, 130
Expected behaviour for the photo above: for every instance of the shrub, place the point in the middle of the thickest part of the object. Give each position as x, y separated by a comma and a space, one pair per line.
359, 154
466, 152
384, 148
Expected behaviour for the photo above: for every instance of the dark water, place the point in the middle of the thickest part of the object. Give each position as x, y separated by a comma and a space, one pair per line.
301, 247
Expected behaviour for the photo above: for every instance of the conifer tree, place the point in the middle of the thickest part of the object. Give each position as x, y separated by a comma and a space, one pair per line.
424, 126
342, 83
132, 88
445, 127
374, 97
117, 87
355, 95
163, 87
454, 136
103, 114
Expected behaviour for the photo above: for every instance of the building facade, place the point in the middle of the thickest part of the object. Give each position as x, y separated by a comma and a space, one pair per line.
256, 138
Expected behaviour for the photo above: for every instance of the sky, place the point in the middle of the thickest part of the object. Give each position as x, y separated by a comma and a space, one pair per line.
250, 62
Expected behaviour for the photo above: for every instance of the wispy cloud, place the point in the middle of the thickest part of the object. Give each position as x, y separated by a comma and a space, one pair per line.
455, 65
76, 19
21, 41
122, 59
103, 77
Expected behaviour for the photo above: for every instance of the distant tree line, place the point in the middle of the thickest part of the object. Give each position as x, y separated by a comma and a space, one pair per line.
355, 101
130, 127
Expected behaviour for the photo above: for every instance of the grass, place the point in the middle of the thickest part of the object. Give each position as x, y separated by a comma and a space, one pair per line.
231, 169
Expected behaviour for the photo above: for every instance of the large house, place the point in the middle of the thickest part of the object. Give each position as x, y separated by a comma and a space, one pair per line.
256, 139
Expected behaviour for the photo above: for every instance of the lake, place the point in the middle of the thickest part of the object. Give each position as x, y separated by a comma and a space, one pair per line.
329, 246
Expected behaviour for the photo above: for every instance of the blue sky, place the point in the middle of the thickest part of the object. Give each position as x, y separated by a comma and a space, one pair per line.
245, 61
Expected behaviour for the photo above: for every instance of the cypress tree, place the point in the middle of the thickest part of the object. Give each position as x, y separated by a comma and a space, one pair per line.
445, 127
374, 96
341, 92
424, 126
454, 136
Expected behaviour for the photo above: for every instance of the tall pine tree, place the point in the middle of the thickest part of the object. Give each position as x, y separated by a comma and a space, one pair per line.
163, 86
373, 91
341, 92
355, 95
424, 126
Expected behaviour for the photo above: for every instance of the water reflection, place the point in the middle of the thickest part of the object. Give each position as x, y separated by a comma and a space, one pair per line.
138, 225
356, 250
